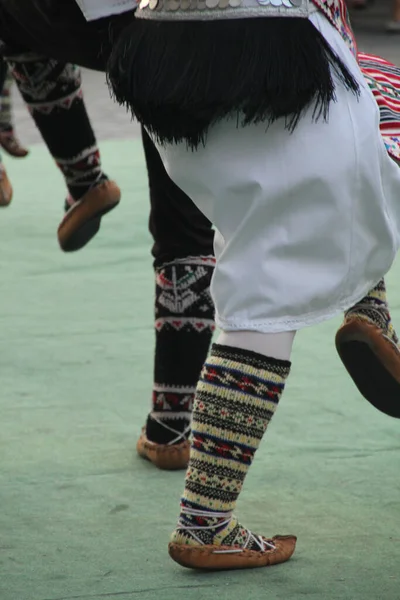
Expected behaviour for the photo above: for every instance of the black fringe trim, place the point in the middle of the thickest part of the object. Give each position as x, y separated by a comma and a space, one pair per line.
178, 78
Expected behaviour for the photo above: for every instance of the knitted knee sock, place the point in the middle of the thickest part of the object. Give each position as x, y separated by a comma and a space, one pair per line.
53, 94
374, 309
184, 324
236, 398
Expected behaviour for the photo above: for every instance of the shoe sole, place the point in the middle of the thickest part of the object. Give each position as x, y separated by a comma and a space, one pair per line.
83, 234
373, 363
6, 192
226, 558
164, 457
12, 147
82, 222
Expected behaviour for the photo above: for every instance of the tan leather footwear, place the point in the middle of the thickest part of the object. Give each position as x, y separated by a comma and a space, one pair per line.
219, 558
372, 360
12, 145
6, 191
168, 457
82, 221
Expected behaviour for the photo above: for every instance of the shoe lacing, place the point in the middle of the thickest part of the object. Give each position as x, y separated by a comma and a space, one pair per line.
226, 517
380, 314
180, 435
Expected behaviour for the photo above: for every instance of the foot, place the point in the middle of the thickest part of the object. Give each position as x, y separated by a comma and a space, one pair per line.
6, 191
87, 232
226, 544
368, 347
12, 145
165, 443
83, 217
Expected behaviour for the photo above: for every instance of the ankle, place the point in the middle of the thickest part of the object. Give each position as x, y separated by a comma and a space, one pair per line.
199, 527
168, 428
376, 313
373, 308
76, 192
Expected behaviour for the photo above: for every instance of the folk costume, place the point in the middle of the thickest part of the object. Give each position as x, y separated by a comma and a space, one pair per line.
42, 38
262, 115
52, 92
239, 387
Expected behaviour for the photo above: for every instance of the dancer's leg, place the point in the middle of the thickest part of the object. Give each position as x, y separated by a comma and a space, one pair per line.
369, 348
8, 140
184, 313
237, 395
53, 94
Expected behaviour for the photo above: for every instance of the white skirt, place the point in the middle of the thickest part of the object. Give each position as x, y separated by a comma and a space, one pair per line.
306, 223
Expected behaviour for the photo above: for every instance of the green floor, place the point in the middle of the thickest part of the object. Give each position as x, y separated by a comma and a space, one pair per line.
80, 515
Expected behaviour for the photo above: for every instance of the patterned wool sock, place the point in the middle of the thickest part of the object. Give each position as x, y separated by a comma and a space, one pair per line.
184, 324
374, 309
236, 398
52, 92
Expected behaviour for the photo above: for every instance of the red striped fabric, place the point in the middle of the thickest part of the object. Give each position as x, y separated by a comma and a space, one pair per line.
337, 13
383, 78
